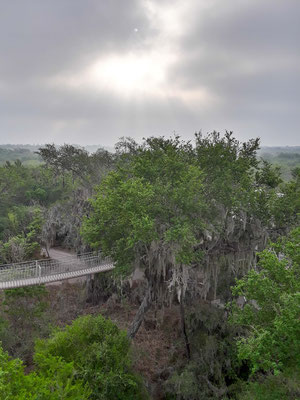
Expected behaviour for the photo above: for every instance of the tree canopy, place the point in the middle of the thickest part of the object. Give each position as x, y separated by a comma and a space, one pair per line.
271, 314
166, 199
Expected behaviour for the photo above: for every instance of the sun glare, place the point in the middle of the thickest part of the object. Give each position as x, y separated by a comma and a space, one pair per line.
129, 74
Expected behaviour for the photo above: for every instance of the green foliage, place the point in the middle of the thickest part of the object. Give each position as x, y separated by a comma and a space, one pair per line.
286, 207
228, 166
86, 360
57, 381
100, 354
20, 188
272, 313
17, 248
162, 204
25, 192
67, 158
285, 386
268, 175
77, 162
155, 198
24, 224
25, 316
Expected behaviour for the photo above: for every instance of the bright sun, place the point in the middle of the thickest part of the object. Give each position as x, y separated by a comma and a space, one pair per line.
129, 74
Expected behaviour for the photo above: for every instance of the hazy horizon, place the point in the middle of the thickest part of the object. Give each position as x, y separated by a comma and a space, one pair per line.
111, 148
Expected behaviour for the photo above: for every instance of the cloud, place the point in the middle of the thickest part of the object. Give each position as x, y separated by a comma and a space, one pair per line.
247, 57
90, 72
39, 38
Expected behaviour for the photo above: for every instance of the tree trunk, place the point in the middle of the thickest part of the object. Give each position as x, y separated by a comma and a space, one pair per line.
47, 251
138, 319
183, 327
90, 289
218, 392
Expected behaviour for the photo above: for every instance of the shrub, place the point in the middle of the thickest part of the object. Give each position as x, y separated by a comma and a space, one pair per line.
57, 382
100, 353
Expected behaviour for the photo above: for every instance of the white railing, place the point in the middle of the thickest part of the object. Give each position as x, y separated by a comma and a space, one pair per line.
46, 268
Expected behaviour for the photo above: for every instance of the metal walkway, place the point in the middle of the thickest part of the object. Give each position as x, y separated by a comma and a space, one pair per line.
45, 271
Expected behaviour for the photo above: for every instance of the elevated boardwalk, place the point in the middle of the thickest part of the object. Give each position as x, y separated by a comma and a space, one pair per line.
38, 272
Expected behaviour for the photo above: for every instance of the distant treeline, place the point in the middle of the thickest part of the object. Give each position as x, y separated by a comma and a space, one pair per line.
26, 153
12, 153
285, 157
276, 150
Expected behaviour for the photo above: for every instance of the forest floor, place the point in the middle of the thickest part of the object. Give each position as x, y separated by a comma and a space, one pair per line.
158, 344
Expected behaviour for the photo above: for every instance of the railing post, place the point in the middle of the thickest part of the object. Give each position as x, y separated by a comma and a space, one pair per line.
36, 269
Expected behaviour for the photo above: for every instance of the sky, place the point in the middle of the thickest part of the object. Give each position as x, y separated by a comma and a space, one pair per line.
92, 71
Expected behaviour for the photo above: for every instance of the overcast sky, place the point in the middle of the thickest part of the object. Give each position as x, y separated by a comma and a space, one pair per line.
91, 71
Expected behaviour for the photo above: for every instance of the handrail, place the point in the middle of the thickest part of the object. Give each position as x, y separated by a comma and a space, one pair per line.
48, 259
48, 268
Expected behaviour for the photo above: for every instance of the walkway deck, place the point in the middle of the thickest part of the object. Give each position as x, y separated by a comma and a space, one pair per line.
45, 271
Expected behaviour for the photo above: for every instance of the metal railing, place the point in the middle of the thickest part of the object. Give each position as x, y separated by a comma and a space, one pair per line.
47, 267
